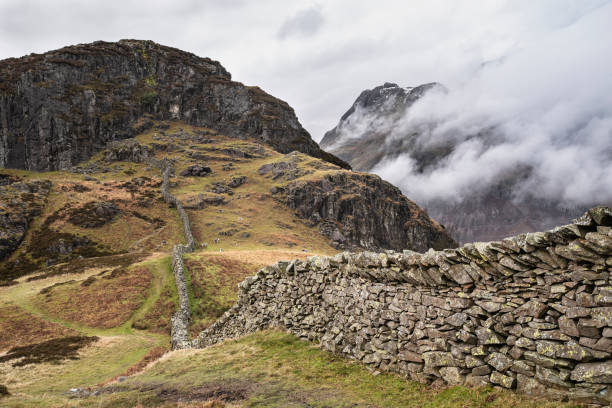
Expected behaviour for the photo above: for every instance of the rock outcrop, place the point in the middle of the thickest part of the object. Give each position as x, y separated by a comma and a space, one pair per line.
61, 107
357, 210
20, 202
196, 170
532, 312
93, 214
127, 150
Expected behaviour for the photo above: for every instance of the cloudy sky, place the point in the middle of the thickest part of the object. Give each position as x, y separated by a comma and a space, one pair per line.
545, 91
317, 56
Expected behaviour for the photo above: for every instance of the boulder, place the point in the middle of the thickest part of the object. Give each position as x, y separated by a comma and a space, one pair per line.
237, 181
196, 170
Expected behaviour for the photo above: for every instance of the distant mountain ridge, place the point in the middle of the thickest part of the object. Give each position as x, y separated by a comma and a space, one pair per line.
364, 143
374, 130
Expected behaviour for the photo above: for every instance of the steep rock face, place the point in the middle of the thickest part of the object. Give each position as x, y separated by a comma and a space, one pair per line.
373, 131
362, 211
58, 108
20, 202
360, 137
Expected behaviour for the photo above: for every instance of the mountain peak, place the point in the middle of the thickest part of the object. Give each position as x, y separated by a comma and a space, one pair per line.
62, 106
387, 100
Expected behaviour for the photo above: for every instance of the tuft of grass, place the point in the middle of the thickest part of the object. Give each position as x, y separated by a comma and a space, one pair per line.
152, 355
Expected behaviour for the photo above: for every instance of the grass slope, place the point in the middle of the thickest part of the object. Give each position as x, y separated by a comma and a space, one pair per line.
249, 218
105, 300
126, 301
275, 369
133, 335
31, 318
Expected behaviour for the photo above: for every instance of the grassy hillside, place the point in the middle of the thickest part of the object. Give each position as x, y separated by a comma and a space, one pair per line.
266, 369
110, 281
245, 217
42, 311
87, 298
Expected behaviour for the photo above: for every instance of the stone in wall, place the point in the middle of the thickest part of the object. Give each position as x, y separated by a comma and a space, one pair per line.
531, 312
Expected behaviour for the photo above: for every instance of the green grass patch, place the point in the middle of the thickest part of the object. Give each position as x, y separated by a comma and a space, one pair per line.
212, 284
47, 384
157, 310
275, 369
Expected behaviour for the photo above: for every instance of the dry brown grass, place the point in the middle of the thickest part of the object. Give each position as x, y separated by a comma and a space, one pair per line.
208, 404
259, 258
100, 301
19, 327
152, 355
128, 231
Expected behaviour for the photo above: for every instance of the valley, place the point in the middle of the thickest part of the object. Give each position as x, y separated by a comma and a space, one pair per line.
173, 238
95, 261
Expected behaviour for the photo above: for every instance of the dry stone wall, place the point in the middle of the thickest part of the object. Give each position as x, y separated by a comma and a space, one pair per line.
170, 199
179, 336
531, 312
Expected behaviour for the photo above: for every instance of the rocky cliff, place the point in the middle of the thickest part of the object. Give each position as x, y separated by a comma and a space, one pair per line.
362, 132
59, 108
377, 128
361, 211
20, 202
354, 210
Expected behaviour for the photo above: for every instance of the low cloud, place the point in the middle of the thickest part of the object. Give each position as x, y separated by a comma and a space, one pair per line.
546, 107
303, 24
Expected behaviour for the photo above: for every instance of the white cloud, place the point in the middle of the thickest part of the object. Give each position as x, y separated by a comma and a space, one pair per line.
550, 102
